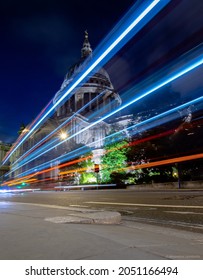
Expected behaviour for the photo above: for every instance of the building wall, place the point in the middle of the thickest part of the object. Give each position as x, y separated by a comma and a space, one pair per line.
4, 148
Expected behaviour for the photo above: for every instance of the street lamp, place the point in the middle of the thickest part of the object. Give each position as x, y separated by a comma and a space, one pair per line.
63, 135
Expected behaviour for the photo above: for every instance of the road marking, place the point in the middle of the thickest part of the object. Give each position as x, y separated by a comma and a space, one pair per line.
184, 212
144, 205
77, 205
48, 206
165, 222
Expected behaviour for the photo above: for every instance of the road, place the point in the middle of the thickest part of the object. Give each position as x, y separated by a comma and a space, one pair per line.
173, 208
149, 229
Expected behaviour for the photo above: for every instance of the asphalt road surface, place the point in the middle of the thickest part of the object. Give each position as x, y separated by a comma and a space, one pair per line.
169, 208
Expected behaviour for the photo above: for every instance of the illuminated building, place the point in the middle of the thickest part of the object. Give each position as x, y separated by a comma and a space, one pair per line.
4, 148
89, 101
94, 98
97, 87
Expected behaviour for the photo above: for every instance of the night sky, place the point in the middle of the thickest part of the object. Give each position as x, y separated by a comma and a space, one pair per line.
41, 39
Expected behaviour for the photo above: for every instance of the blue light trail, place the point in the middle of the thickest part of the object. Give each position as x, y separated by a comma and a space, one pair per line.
60, 127
145, 125
122, 34
175, 74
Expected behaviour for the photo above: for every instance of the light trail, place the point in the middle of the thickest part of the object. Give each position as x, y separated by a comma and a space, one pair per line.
140, 17
149, 138
133, 143
56, 161
25, 178
163, 162
144, 165
108, 116
160, 117
60, 127
23, 182
70, 163
184, 69
53, 132
18, 180
136, 142
197, 61
197, 66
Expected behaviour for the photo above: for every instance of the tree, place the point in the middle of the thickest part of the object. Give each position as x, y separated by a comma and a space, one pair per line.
22, 128
150, 146
113, 161
87, 176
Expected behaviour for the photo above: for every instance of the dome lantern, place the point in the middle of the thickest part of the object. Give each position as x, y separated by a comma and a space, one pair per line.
86, 49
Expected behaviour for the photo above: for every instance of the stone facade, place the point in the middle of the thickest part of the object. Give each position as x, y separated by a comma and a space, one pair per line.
4, 148
89, 102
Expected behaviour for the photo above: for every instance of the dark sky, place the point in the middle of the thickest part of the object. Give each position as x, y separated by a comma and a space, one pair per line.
41, 39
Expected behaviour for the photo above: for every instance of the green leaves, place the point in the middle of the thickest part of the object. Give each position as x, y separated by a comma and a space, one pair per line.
114, 159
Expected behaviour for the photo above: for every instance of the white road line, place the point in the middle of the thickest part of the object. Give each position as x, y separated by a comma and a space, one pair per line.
45, 206
184, 213
77, 205
144, 205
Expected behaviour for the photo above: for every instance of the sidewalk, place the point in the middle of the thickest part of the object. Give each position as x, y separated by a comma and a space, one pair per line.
40, 232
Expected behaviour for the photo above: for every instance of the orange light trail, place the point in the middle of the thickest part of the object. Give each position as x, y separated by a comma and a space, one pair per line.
164, 162
73, 170
136, 142
17, 181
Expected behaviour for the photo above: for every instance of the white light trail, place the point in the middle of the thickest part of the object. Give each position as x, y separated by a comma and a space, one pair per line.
151, 123
60, 127
184, 69
105, 51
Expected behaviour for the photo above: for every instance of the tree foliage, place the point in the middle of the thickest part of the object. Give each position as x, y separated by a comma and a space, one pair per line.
87, 176
114, 160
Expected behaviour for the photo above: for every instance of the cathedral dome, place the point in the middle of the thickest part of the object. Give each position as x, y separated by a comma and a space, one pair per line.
95, 84
77, 68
